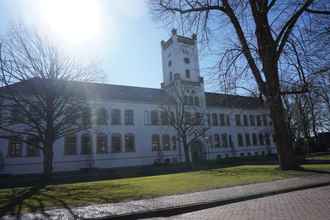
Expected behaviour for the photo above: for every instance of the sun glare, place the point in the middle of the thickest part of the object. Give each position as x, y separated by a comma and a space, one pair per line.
72, 21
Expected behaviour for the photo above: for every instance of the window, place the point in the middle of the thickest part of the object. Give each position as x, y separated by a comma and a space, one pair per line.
247, 139
238, 120
198, 118
252, 120
190, 100
245, 120
155, 141
169, 63
86, 144
87, 117
154, 117
224, 139
129, 143
258, 120
16, 115
267, 139
15, 147
32, 149
116, 143
102, 117
215, 119
146, 118
70, 145
171, 76
173, 143
261, 139
129, 117
164, 117
197, 101
228, 120
210, 141
254, 139
187, 74
222, 120
186, 60
240, 140
166, 142
208, 119
231, 143
216, 140
187, 117
264, 120
102, 143
115, 117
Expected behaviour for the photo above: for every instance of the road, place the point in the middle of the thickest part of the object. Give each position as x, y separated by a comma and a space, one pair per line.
301, 205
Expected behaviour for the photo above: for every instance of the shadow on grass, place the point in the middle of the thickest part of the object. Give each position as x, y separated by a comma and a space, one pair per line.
32, 199
309, 170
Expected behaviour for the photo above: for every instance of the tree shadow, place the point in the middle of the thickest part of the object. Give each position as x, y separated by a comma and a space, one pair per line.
33, 199
312, 170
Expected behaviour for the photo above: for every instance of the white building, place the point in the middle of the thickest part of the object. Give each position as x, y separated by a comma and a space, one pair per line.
132, 133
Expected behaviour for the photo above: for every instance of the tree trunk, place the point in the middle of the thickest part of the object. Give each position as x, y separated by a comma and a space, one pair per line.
283, 142
186, 152
48, 160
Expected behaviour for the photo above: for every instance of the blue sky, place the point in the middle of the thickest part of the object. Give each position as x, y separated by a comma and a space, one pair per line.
126, 41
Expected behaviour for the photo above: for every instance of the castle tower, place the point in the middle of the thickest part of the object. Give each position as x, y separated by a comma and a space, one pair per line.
181, 68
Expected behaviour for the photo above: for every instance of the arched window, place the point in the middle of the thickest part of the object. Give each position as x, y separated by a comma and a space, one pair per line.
86, 144
115, 116
70, 145
173, 143
102, 116
86, 117
166, 142
102, 143
155, 141
129, 143
32, 149
15, 147
116, 143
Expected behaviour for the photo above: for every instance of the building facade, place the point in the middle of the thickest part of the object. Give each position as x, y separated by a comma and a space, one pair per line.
128, 128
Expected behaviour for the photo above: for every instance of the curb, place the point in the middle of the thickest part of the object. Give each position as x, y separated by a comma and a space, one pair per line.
176, 210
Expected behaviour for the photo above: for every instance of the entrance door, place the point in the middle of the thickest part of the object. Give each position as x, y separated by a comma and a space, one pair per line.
196, 152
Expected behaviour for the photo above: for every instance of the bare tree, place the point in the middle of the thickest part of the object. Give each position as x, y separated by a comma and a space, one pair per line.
263, 29
181, 113
39, 102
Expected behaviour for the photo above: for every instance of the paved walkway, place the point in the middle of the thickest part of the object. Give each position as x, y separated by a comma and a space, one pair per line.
192, 201
299, 205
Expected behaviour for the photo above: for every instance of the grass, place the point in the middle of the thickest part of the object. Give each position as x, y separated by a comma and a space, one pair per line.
319, 157
79, 194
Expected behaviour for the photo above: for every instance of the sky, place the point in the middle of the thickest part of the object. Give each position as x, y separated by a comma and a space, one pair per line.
118, 35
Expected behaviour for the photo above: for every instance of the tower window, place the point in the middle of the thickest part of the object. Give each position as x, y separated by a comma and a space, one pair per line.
186, 60
171, 76
169, 63
188, 74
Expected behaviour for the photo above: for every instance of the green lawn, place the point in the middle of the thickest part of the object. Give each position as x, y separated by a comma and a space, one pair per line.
320, 157
146, 187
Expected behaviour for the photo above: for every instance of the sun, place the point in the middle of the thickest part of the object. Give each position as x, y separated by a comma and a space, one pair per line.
72, 21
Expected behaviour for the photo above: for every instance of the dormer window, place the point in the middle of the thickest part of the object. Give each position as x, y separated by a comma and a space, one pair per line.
169, 63
186, 60
188, 74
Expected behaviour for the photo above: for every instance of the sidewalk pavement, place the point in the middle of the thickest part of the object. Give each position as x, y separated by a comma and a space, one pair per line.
177, 204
